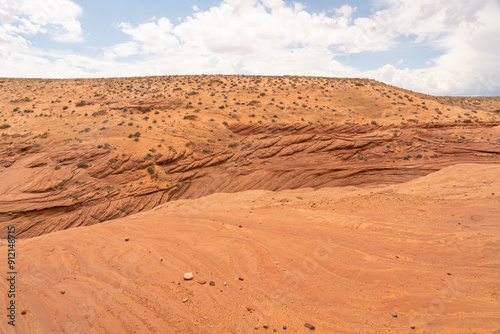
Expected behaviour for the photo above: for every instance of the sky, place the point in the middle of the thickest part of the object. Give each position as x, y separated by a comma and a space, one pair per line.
439, 47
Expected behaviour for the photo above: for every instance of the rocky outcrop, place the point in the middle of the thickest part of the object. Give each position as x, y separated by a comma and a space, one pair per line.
49, 191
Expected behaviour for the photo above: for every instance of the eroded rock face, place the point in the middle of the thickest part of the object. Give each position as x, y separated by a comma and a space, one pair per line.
39, 199
116, 154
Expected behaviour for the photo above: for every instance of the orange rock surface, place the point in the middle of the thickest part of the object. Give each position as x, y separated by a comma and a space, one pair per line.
320, 201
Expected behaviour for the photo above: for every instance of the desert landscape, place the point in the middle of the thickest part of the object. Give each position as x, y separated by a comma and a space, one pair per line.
298, 204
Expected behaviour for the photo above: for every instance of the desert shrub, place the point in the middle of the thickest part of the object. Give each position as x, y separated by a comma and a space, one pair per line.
5, 126
82, 165
81, 103
191, 117
151, 170
99, 113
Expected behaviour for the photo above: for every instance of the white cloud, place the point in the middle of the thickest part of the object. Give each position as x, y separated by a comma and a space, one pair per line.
121, 50
464, 30
31, 17
154, 37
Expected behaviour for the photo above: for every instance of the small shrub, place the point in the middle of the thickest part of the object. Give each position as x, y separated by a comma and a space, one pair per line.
57, 167
82, 165
5, 126
99, 113
81, 103
151, 170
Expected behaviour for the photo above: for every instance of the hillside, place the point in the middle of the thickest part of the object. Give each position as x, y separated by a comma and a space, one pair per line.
84, 151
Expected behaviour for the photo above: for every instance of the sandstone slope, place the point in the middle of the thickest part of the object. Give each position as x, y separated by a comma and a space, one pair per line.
341, 259
84, 151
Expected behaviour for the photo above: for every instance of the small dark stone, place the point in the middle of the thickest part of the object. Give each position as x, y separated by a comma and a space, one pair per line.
284, 327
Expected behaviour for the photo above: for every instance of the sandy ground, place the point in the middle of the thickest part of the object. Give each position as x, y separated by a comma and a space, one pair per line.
319, 201
341, 259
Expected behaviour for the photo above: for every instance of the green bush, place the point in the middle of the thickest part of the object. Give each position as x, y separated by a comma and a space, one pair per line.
82, 165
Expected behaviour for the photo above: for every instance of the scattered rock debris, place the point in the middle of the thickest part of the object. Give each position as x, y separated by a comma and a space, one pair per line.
310, 326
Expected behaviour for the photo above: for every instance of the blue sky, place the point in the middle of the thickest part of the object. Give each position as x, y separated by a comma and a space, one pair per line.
438, 47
